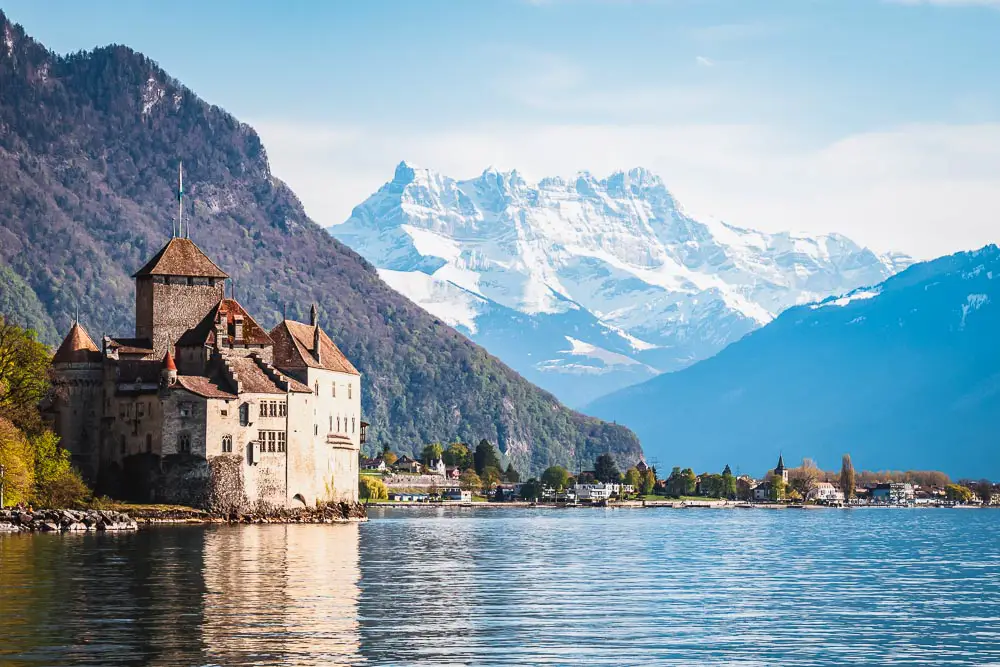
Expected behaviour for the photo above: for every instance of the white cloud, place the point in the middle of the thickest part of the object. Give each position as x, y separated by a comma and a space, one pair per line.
924, 189
704, 62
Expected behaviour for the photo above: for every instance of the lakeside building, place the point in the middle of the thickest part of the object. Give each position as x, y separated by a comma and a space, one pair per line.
203, 406
599, 491
376, 464
407, 464
826, 492
892, 493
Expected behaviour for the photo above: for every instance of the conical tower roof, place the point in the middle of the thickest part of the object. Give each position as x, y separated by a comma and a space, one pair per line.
168, 362
78, 347
781, 463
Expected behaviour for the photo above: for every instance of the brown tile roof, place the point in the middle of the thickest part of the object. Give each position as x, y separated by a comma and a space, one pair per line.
181, 257
203, 386
293, 348
253, 378
204, 332
131, 345
78, 347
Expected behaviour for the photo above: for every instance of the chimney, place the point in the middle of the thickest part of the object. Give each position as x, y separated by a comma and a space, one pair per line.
221, 329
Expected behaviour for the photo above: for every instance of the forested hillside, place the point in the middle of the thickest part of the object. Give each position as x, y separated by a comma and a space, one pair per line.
89, 146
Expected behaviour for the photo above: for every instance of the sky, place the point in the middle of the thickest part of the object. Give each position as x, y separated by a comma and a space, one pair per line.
878, 119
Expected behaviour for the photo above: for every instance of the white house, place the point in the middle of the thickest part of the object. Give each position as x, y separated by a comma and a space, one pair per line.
437, 467
825, 492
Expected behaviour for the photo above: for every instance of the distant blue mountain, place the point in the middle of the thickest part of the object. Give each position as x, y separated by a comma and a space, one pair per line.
904, 375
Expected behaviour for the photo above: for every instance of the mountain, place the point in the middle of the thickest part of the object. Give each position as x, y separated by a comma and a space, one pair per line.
903, 375
585, 285
89, 145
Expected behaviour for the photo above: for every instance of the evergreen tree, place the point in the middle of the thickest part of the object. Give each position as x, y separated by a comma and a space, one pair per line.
605, 469
511, 475
486, 456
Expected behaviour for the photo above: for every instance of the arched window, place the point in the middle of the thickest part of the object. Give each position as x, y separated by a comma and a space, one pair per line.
184, 443
227, 444
244, 414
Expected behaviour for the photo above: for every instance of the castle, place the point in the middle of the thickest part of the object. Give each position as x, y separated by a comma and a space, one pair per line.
203, 406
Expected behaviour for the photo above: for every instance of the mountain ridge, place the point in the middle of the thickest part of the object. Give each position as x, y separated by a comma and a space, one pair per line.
89, 145
904, 374
660, 289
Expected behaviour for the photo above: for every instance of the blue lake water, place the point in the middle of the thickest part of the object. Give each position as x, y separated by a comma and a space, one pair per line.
516, 587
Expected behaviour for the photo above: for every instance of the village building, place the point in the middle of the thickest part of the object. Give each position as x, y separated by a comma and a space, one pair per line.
407, 464
826, 492
437, 467
202, 405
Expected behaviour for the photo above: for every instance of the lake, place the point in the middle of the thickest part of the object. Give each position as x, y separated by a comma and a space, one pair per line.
517, 587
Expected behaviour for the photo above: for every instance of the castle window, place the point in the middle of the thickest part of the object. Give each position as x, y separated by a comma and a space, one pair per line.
334, 385
315, 429
149, 443
316, 387
349, 389
281, 441
190, 281
224, 412
140, 409
352, 424
263, 409
282, 409
227, 444
184, 443
244, 414
338, 423
186, 409
331, 423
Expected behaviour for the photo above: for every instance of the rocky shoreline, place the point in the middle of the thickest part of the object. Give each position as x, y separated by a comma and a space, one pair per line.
37, 521
16, 520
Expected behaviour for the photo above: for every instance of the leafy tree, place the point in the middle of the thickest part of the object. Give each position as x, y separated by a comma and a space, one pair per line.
958, 493
803, 479
728, 484
531, 490
777, 488
389, 457
457, 455
24, 369
648, 482
490, 478
57, 482
372, 488
470, 481
847, 477
430, 453
712, 486
18, 460
511, 474
984, 489
633, 478
556, 478
605, 469
486, 456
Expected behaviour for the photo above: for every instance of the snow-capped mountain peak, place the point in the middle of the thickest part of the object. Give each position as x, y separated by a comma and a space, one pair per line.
612, 263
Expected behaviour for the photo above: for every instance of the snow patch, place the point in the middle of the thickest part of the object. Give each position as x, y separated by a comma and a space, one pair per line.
450, 303
581, 349
973, 302
857, 295
151, 95
8, 39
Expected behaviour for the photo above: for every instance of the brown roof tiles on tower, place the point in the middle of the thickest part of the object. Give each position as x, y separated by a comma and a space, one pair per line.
181, 257
78, 347
205, 332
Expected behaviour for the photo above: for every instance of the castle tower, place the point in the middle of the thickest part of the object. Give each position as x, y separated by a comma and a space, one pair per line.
174, 291
76, 406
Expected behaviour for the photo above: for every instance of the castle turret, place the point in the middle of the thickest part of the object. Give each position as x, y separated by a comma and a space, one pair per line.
169, 372
314, 320
76, 398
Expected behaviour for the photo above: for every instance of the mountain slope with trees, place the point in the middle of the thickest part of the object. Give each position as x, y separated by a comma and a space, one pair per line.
904, 375
89, 146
